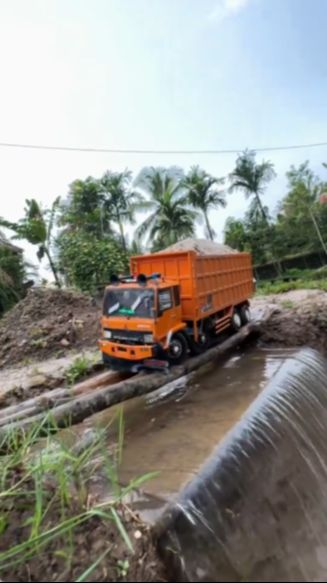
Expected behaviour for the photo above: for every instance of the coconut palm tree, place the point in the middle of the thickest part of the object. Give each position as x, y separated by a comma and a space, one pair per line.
252, 178
203, 193
170, 218
119, 200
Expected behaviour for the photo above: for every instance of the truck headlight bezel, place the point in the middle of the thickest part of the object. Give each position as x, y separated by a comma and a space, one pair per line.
107, 334
148, 338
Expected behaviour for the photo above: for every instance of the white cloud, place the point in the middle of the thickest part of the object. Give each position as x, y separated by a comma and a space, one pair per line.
225, 8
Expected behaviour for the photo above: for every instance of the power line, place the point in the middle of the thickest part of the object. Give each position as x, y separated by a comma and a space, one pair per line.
137, 151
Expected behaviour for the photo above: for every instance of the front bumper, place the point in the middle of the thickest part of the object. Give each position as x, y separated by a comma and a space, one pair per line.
133, 353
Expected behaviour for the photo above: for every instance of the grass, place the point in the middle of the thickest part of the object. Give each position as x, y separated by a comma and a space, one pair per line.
287, 304
51, 483
295, 279
78, 369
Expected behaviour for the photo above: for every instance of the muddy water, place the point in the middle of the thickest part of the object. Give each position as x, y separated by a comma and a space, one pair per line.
175, 429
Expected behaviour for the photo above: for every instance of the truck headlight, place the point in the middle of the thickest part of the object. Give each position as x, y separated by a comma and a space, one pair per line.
107, 333
148, 338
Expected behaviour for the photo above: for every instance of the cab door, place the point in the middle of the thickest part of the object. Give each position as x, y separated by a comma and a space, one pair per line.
169, 314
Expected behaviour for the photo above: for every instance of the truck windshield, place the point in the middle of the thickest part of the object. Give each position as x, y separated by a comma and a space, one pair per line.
129, 302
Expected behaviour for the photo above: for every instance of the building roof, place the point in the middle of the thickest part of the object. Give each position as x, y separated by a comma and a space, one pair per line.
4, 242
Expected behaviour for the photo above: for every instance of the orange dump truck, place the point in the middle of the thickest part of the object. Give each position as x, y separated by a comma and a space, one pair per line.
173, 303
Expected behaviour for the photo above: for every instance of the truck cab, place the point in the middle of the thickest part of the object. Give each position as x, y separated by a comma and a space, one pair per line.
140, 319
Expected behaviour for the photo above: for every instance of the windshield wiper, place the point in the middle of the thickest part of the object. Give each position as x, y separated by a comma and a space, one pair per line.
140, 300
114, 308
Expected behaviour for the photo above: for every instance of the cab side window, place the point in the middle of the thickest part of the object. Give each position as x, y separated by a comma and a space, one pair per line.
165, 300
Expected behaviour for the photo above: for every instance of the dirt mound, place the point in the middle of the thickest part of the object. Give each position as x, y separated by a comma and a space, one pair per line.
298, 318
201, 246
48, 322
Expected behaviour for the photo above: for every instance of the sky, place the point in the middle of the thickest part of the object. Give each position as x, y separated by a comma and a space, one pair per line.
157, 74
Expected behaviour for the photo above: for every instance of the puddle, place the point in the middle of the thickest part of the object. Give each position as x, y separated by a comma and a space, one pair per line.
173, 430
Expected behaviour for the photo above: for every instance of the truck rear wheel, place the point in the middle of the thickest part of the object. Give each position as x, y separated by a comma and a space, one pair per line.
245, 315
202, 344
236, 321
177, 349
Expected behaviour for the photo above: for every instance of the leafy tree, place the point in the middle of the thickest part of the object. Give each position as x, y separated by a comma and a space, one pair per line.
171, 219
204, 194
36, 227
300, 225
252, 234
302, 220
136, 247
260, 234
87, 262
235, 234
84, 208
119, 200
252, 178
12, 276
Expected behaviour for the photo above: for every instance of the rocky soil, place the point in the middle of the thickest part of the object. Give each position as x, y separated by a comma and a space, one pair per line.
48, 322
297, 318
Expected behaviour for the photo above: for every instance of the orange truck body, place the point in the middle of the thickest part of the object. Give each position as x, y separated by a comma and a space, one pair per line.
208, 283
203, 292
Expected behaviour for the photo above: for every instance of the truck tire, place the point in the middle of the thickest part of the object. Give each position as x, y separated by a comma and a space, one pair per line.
177, 350
236, 321
202, 345
245, 315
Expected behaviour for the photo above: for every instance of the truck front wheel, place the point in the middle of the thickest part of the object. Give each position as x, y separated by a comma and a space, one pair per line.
177, 349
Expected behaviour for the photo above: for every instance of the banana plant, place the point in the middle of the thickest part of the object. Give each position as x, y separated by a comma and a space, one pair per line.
36, 227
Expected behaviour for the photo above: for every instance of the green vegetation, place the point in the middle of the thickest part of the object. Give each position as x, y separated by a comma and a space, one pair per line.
287, 304
12, 276
120, 201
204, 194
47, 502
171, 217
86, 262
299, 225
295, 279
252, 179
36, 227
78, 369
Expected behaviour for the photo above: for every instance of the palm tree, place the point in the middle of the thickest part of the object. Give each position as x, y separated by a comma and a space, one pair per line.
83, 209
252, 178
203, 194
36, 228
171, 219
119, 200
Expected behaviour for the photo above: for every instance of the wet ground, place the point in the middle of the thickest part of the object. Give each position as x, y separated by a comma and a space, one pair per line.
44, 374
175, 429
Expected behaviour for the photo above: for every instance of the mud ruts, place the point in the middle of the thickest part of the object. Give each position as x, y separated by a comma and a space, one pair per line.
258, 508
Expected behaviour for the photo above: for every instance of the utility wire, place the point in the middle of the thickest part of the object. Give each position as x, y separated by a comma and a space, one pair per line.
137, 151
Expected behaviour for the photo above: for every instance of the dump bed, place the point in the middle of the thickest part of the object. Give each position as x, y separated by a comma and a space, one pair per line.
209, 283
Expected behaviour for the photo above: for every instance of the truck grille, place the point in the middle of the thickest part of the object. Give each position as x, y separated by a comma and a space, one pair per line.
127, 336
